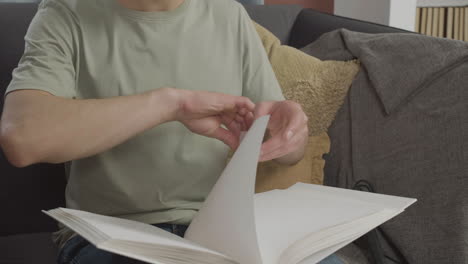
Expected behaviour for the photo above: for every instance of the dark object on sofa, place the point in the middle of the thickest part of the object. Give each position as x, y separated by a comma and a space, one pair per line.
24, 230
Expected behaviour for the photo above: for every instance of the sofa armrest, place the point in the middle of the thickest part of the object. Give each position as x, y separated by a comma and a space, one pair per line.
311, 24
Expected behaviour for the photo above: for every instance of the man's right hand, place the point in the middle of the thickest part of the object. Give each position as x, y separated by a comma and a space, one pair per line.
205, 113
37, 126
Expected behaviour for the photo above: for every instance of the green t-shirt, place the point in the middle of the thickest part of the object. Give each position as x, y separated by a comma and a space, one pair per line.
96, 49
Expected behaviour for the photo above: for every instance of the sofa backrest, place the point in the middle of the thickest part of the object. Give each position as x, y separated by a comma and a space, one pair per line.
279, 19
25, 192
311, 24
14, 21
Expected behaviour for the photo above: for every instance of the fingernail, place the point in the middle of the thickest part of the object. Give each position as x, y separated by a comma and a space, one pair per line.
289, 135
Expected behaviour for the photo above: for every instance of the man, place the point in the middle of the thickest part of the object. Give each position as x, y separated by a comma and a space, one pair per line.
100, 85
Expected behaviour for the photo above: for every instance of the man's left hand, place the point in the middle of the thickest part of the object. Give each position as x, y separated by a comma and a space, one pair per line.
288, 130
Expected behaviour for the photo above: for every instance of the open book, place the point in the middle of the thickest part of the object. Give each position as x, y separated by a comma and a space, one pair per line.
302, 224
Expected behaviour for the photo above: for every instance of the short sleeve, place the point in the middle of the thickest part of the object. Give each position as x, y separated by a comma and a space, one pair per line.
259, 80
48, 60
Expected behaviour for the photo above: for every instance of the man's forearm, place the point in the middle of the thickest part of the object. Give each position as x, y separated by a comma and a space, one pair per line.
53, 129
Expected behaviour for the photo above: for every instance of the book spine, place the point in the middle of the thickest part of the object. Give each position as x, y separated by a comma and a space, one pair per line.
435, 22
462, 24
423, 21
441, 22
417, 24
450, 23
429, 21
456, 24
466, 24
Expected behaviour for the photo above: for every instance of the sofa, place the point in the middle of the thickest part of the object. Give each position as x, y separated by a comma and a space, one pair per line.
24, 192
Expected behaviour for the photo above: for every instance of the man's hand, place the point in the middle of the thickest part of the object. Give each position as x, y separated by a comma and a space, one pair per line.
204, 113
288, 130
29, 132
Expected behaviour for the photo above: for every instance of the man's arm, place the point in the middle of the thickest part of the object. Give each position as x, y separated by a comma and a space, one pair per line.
288, 123
39, 127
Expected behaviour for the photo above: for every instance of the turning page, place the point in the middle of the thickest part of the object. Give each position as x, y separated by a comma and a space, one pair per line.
226, 221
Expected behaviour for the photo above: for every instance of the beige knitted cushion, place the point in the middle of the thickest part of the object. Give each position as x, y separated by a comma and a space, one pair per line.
320, 87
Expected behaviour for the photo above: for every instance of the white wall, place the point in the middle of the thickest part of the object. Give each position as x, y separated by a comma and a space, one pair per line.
403, 14
395, 13
368, 10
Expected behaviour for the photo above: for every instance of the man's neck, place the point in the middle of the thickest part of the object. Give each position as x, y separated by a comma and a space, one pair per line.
151, 5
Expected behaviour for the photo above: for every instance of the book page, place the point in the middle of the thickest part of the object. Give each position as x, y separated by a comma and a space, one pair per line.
315, 258
226, 221
112, 228
383, 201
305, 210
292, 215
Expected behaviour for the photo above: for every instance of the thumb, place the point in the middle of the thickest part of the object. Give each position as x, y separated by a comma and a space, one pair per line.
227, 137
263, 108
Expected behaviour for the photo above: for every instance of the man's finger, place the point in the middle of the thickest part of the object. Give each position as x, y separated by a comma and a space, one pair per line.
227, 137
299, 139
245, 102
239, 117
237, 103
230, 122
282, 150
263, 108
273, 144
227, 118
248, 120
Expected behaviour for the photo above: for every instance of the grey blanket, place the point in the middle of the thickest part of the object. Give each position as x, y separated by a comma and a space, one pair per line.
404, 128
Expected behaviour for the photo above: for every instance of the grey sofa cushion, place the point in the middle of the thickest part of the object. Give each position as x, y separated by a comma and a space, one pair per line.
36, 248
279, 19
419, 149
402, 66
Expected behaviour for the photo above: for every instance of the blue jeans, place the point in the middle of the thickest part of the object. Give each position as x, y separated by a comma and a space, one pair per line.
79, 251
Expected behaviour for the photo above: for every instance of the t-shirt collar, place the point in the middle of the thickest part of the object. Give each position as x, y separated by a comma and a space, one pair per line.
155, 15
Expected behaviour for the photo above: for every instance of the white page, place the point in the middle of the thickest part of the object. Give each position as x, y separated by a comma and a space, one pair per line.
161, 255
385, 201
128, 230
304, 209
292, 215
318, 244
226, 221
315, 258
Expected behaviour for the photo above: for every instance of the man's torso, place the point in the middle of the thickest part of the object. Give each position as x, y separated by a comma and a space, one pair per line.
163, 174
